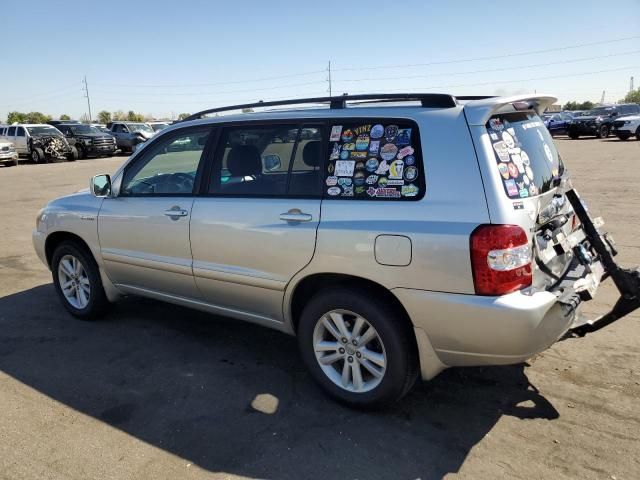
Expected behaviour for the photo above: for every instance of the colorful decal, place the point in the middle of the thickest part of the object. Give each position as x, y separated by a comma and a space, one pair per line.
383, 192
512, 189
513, 170
533, 190
382, 181
347, 191
405, 151
372, 165
409, 160
362, 130
496, 124
390, 133
349, 146
359, 190
494, 136
360, 166
504, 170
396, 169
345, 168
335, 153
344, 154
372, 179
333, 191
331, 181
358, 155
404, 136
410, 174
388, 151
502, 151
374, 146
330, 168
383, 168
344, 182
377, 131
524, 192
517, 159
507, 139
359, 179
336, 130
409, 190
347, 135
395, 182
362, 142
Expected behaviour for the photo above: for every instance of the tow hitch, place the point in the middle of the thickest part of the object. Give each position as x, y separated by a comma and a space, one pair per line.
627, 281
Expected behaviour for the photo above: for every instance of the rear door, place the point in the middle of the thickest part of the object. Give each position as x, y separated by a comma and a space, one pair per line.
144, 231
255, 227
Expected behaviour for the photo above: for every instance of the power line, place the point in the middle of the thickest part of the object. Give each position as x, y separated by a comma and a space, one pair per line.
491, 57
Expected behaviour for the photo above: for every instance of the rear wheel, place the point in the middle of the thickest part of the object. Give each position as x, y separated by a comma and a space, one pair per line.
76, 278
574, 135
603, 131
638, 134
80, 151
357, 347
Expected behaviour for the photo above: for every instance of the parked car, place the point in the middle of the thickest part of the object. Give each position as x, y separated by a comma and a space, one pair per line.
8, 154
40, 142
599, 121
86, 140
130, 134
625, 127
157, 126
386, 259
557, 123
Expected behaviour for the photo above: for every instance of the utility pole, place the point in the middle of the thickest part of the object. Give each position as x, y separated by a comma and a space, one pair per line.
602, 99
86, 95
631, 86
329, 70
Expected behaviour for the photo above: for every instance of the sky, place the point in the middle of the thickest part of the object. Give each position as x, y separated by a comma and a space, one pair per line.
162, 58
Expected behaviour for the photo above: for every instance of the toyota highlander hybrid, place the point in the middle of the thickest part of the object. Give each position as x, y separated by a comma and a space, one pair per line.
395, 235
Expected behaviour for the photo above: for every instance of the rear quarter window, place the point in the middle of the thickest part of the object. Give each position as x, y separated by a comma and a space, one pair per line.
374, 159
525, 154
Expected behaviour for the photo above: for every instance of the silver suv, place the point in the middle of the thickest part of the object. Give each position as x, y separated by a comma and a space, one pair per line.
394, 235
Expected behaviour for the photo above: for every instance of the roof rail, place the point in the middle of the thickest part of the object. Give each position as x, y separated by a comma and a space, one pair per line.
428, 100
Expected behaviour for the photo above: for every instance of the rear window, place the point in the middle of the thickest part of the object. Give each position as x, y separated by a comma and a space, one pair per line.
525, 154
374, 160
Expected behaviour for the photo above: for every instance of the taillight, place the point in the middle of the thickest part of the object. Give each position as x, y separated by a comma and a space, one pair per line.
500, 259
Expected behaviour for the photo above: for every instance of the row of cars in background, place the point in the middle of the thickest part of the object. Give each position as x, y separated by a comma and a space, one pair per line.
71, 140
622, 120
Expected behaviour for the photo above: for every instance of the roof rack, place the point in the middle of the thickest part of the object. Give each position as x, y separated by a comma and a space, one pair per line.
428, 100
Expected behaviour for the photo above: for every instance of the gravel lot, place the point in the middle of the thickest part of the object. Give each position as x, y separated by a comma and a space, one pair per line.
157, 391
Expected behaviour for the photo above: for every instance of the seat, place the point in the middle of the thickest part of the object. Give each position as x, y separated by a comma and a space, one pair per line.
307, 183
244, 161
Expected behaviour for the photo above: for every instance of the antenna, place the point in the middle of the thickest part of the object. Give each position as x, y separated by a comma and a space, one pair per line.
86, 95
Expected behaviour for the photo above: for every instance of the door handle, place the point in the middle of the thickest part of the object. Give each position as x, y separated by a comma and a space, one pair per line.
175, 212
295, 215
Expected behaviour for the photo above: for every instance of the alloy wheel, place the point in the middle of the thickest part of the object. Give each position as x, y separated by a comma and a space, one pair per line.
74, 282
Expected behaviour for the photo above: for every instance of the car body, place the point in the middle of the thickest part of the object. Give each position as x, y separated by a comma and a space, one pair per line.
40, 142
627, 126
130, 134
8, 154
421, 234
598, 121
557, 123
86, 140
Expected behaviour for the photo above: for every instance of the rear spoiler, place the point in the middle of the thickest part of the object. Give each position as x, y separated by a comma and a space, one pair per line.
478, 112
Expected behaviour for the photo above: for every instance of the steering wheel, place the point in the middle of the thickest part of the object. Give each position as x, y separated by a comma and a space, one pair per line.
182, 181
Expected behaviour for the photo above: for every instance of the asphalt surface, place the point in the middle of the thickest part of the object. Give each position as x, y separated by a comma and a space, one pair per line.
156, 391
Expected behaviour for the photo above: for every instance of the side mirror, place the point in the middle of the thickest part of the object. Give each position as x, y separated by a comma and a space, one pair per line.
100, 185
271, 162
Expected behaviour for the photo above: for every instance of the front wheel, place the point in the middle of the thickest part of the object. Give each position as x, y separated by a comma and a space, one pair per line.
603, 131
358, 348
77, 281
37, 155
624, 136
638, 134
574, 135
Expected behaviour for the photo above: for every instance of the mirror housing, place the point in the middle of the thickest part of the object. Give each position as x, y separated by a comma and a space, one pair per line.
100, 185
271, 162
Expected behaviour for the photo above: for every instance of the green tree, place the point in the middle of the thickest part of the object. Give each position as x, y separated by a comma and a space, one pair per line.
64, 116
37, 117
104, 116
135, 117
182, 116
632, 97
587, 105
119, 115
16, 117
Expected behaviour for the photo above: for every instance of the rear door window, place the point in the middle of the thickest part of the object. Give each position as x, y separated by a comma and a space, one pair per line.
374, 159
525, 154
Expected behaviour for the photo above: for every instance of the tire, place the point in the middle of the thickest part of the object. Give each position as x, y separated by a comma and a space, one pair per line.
80, 151
392, 351
624, 136
37, 155
603, 131
574, 135
87, 305
638, 134
73, 156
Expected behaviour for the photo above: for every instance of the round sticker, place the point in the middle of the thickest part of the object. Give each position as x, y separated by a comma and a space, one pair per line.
359, 178
409, 160
331, 181
359, 166
347, 135
547, 152
388, 151
525, 158
504, 170
390, 132
371, 179
371, 165
513, 170
382, 181
344, 155
507, 139
410, 174
333, 191
377, 131
362, 142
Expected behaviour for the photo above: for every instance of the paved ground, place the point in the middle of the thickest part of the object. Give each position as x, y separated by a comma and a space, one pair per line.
157, 391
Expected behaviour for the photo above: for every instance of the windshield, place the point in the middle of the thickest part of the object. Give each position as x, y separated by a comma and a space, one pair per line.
596, 112
159, 126
44, 130
84, 130
140, 127
525, 154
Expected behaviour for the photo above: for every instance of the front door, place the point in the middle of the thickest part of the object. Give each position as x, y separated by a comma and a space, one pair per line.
256, 227
144, 231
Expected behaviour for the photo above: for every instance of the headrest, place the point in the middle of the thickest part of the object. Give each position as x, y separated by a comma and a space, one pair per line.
244, 160
312, 153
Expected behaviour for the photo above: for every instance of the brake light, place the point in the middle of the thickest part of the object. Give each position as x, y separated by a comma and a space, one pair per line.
500, 259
